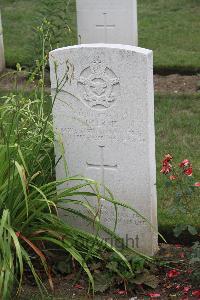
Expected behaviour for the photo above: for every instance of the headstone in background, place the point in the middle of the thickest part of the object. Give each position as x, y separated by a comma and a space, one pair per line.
2, 58
106, 117
107, 21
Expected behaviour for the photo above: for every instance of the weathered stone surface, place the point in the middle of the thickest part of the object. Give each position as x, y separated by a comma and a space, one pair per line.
107, 21
2, 58
106, 117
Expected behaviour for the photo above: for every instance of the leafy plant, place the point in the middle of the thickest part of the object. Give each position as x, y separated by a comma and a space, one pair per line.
194, 261
185, 189
59, 16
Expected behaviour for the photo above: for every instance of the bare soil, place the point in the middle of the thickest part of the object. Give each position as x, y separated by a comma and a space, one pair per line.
175, 275
11, 80
169, 84
177, 84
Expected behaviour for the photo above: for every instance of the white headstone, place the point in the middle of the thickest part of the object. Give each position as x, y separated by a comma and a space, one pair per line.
107, 21
2, 58
106, 117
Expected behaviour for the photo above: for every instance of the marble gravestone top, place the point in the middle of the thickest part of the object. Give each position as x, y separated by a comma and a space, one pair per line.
105, 114
107, 21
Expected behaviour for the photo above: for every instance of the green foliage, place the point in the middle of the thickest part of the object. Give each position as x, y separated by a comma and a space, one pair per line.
57, 14
112, 272
20, 19
185, 189
54, 16
194, 261
182, 227
177, 132
195, 254
103, 280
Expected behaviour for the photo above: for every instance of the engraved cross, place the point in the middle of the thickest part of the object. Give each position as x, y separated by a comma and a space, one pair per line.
102, 166
105, 26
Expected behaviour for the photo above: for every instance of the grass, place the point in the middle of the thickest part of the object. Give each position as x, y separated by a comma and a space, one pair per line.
177, 133
20, 19
170, 28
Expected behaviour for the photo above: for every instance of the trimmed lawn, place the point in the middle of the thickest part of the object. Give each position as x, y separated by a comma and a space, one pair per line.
20, 19
170, 28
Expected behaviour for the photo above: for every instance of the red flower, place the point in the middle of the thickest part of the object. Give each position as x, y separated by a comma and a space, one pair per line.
184, 163
186, 289
153, 295
172, 177
196, 293
178, 246
197, 184
188, 171
18, 233
182, 255
78, 286
168, 157
178, 287
120, 292
173, 273
187, 167
166, 166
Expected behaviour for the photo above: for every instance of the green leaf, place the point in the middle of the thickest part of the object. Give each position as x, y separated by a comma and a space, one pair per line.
22, 175
102, 281
192, 230
113, 266
63, 267
137, 263
147, 279
179, 229
95, 266
194, 260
